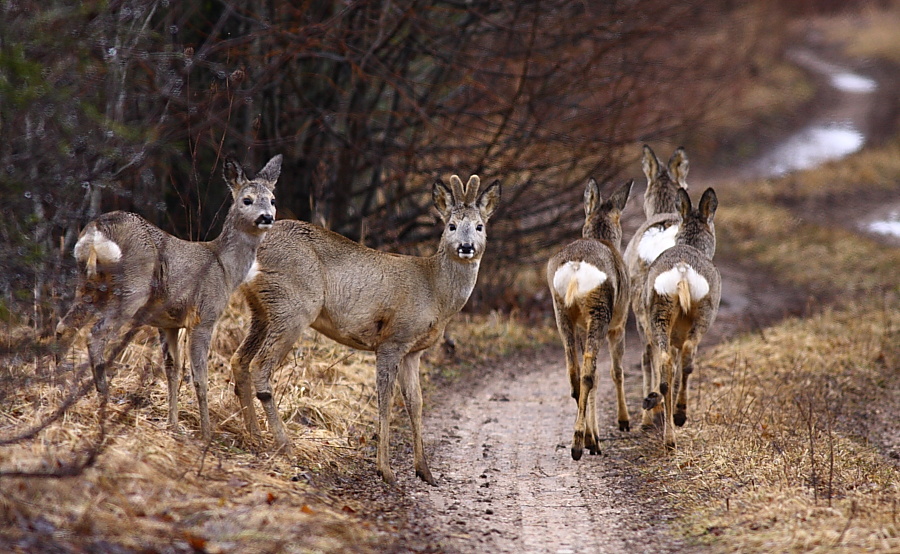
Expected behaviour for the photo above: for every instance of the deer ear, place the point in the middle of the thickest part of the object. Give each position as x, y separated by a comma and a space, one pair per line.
443, 199
650, 164
678, 167
270, 172
708, 205
591, 197
234, 175
683, 203
620, 197
489, 199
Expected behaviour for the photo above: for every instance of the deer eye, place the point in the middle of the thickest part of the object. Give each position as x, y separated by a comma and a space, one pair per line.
452, 226
479, 227
248, 201
273, 201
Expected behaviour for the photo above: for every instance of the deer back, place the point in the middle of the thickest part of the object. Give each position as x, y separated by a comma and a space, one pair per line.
363, 297
183, 280
686, 270
590, 271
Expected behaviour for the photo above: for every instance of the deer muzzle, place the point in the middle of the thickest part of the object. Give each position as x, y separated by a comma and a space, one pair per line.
466, 250
264, 221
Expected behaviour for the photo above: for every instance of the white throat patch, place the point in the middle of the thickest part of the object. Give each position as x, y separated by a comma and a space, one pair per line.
252, 272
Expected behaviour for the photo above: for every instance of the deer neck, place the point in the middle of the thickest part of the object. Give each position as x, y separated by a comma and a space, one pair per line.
702, 240
236, 252
453, 278
603, 230
660, 198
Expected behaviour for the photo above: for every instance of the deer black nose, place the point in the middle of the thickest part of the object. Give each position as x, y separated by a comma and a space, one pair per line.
265, 219
466, 250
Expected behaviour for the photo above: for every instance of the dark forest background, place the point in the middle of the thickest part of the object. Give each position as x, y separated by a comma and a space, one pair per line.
133, 104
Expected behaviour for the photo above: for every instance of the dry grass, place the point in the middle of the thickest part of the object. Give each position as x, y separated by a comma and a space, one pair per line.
782, 451
771, 462
152, 490
777, 223
869, 33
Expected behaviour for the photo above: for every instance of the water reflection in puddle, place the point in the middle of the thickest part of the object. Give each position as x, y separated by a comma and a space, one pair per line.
811, 147
851, 82
888, 226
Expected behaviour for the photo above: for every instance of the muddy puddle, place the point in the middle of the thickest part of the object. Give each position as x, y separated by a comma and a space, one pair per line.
836, 132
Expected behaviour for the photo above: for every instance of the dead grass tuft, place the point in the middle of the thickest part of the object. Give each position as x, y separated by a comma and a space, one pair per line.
772, 460
871, 32
151, 489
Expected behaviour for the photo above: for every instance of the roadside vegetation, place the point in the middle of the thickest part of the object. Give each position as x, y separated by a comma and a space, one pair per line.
781, 451
787, 446
792, 445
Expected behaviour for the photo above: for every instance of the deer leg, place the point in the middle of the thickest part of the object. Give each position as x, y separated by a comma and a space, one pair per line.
568, 334
650, 384
662, 317
84, 309
412, 397
274, 347
663, 361
240, 369
657, 335
116, 317
387, 362
650, 380
199, 339
586, 432
172, 364
688, 350
616, 341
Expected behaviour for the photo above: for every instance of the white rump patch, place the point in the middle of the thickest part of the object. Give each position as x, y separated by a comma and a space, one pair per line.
107, 250
586, 277
655, 241
666, 283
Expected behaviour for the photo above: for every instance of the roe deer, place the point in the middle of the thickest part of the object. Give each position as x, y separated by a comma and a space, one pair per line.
680, 301
589, 286
654, 236
394, 305
137, 274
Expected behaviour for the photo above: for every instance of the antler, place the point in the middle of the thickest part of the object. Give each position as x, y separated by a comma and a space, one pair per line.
456, 187
471, 189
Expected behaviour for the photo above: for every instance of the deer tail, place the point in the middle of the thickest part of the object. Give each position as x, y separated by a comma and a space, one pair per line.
90, 265
571, 291
684, 295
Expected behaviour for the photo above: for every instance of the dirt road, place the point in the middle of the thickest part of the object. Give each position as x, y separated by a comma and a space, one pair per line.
500, 446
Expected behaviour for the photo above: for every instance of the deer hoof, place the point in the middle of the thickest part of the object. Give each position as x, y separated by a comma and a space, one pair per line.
624, 425
653, 399
680, 415
387, 476
576, 453
284, 450
425, 475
